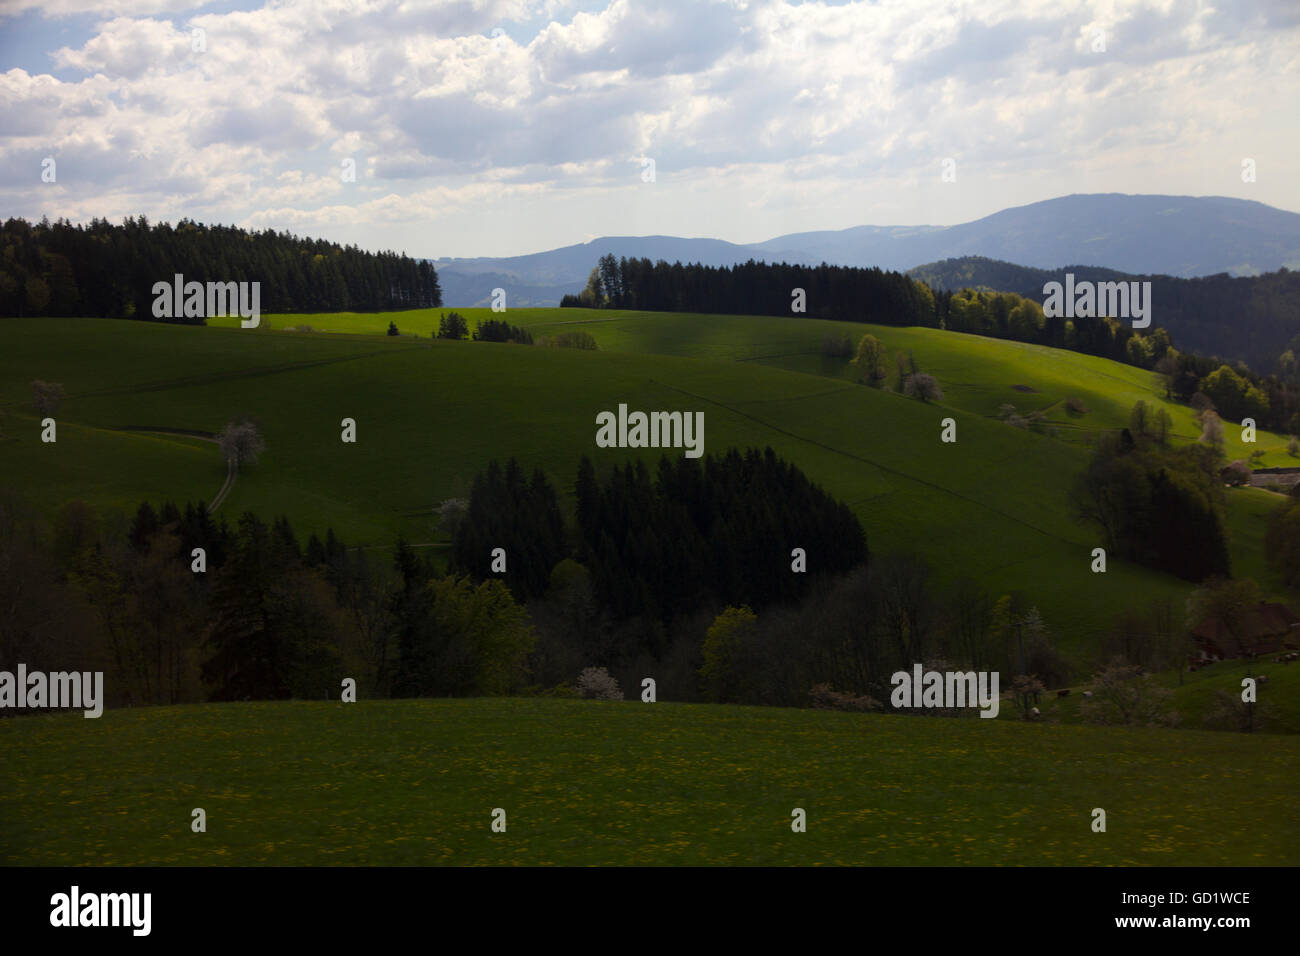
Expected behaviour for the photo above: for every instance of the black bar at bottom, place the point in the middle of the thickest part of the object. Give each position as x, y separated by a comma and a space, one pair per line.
340, 904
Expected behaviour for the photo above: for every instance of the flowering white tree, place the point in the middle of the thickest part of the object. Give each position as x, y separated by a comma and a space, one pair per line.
240, 443
595, 683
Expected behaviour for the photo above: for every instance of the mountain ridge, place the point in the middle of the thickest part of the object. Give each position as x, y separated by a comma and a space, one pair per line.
1137, 234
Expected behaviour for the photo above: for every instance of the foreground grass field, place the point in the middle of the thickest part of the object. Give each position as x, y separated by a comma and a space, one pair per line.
585, 782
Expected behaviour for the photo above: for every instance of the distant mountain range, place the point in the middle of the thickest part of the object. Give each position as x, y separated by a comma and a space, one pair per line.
1181, 236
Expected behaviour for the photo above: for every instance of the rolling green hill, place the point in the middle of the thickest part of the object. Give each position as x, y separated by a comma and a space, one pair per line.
430, 414
978, 374
586, 782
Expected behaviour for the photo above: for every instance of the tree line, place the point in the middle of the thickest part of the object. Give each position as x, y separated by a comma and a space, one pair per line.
756, 288
1260, 313
107, 270
269, 617
261, 617
895, 299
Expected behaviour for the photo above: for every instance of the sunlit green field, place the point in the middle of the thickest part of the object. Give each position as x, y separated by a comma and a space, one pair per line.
977, 374
430, 414
586, 782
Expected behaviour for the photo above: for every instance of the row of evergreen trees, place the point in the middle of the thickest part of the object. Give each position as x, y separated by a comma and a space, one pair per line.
757, 288
720, 529
102, 269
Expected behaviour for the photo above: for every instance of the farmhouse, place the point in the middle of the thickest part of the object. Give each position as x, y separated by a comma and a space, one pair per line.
1284, 477
1264, 629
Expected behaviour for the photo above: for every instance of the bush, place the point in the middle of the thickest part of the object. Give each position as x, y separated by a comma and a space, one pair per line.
1075, 406
1293, 448
724, 653
595, 683
1124, 694
572, 340
392, 329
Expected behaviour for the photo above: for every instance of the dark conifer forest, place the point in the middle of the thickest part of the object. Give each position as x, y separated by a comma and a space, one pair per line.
106, 270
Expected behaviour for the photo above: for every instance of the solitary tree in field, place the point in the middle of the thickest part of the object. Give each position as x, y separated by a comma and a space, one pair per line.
451, 513
922, 386
869, 363
46, 396
1212, 429
725, 645
241, 443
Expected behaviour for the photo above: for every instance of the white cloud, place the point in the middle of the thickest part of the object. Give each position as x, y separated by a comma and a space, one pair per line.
762, 116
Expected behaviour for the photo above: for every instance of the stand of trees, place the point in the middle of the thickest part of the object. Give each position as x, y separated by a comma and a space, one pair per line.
1273, 401
1156, 505
757, 288
673, 560
701, 532
263, 619
107, 270
1257, 315
498, 330
709, 531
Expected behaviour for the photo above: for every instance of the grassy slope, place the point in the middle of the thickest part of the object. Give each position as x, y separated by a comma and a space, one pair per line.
977, 373
415, 782
431, 414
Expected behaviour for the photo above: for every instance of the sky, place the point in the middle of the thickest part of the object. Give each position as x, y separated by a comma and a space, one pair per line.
502, 127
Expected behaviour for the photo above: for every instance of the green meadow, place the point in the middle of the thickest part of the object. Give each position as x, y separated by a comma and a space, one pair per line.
587, 782
415, 782
978, 374
430, 414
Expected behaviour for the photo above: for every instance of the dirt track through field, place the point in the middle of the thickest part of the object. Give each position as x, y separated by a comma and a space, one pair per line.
232, 470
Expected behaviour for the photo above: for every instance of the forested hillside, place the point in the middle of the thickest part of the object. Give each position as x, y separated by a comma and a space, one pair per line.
1249, 318
757, 288
108, 270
